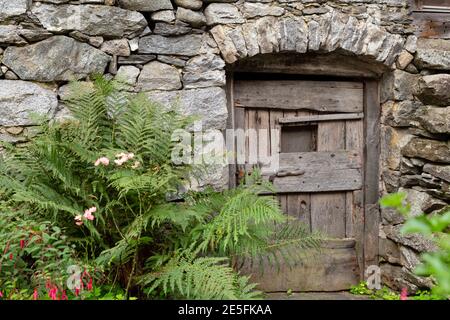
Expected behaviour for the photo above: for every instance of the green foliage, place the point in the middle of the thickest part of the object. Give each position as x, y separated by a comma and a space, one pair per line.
382, 294
396, 201
361, 289
33, 253
436, 228
106, 292
387, 294
114, 157
426, 295
191, 277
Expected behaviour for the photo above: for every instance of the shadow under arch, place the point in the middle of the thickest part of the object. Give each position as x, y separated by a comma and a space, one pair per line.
334, 64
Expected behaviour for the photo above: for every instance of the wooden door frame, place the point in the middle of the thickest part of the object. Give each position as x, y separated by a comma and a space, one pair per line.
372, 115
369, 252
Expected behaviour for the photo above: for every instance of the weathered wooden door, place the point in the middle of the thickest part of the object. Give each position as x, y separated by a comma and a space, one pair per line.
320, 177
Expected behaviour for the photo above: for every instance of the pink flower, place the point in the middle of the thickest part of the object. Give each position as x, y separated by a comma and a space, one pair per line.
79, 220
92, 209
35, 294
404, 294
89, 216
53, 293
1, 294
119, 162
88, 213
64, 295
102, 161
123, 157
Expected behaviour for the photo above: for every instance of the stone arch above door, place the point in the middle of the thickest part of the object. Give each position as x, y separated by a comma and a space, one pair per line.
332, 31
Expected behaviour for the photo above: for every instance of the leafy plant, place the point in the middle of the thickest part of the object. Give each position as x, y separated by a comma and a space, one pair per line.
387, 294
426, 295
436, 228
34, 253
186, 275
105, 292
361, 289
381, 294
105, 179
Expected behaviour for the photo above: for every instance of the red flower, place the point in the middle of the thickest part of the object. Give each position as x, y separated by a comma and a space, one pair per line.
89, 285
404, 294
11, 256
53, 293
22, 244
35, 294
77, 292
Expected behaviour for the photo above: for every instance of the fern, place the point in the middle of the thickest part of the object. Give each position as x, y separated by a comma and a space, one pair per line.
247, 226
191, 277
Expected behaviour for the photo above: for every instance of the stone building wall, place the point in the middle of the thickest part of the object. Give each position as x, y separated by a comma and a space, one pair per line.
178, 49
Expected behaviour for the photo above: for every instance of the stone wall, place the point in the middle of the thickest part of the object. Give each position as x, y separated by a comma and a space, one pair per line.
178, 49
415, 152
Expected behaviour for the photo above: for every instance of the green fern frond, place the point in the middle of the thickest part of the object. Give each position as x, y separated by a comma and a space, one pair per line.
193, 277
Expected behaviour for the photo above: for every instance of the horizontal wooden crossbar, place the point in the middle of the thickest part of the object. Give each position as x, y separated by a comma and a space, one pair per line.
321, 117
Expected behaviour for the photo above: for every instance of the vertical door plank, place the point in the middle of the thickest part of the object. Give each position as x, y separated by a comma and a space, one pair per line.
358, 227
263, 126
240, 148
331, 136
354, 136
328, 209
299, 206
303, 200
354, 228
328, 213
349, 218
274, 115
282, 198
251, 145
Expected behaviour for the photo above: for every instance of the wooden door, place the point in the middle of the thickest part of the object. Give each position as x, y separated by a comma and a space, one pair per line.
320, 178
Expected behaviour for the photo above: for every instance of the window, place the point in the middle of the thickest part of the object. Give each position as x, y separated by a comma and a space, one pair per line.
298, 138
433, 5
